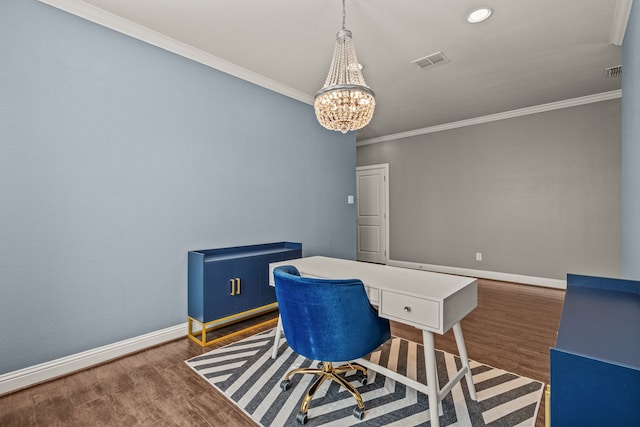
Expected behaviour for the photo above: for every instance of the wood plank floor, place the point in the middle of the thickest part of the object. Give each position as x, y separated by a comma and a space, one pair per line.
512, 328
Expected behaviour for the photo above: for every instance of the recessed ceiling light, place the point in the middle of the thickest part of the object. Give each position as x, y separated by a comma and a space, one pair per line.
479, 15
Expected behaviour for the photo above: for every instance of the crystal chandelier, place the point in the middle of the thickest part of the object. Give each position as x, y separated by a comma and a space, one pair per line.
345, 102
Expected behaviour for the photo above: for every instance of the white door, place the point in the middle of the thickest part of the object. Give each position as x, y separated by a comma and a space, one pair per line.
372, 219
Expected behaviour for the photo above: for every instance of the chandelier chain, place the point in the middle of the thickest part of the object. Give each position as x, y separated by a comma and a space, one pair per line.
344, 16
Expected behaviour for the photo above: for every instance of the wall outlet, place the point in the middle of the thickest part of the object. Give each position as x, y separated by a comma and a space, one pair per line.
350, 199
478, 256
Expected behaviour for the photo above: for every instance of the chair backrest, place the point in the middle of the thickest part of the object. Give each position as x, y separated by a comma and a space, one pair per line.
327, 320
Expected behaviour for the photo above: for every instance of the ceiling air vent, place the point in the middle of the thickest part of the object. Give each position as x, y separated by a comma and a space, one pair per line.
612, 72
432, 60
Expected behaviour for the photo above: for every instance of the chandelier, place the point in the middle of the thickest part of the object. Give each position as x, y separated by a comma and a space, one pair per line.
345, 102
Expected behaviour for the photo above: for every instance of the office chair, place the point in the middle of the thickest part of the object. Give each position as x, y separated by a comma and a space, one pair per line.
328, 321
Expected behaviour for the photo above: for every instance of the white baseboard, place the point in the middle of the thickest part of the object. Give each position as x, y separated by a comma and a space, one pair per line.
46, 371
26, 377
482, 274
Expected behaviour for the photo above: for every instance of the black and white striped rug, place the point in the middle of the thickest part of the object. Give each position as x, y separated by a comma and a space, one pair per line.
246, 374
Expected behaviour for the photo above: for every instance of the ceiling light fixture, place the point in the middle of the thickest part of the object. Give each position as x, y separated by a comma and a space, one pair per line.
345, 102
479, 15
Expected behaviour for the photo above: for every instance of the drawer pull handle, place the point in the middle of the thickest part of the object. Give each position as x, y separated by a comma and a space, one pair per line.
407, 308
238, 287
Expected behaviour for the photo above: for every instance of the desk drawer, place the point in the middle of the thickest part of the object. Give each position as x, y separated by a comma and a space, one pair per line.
413, 309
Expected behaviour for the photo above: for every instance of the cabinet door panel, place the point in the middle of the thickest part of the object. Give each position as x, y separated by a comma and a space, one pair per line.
268, 293
248, 271
218, 301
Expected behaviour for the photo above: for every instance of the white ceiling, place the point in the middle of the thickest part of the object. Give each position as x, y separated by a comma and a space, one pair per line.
530, 52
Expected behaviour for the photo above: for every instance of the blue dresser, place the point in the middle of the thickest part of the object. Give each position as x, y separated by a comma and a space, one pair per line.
226, 285
595, 364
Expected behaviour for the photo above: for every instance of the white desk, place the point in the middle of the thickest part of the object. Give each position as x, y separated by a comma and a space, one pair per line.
432, 302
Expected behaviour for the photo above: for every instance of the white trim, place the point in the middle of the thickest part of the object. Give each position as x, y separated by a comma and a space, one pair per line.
31, 375
482, 274
109, 20
574, 102
114, 22
620, 20
16, 380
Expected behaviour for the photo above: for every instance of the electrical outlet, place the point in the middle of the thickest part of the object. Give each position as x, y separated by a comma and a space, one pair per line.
478, 256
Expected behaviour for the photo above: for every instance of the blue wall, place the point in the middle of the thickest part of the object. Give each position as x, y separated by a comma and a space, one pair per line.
116, 158
631, 147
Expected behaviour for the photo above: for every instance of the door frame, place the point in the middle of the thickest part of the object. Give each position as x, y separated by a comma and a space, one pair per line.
385, 188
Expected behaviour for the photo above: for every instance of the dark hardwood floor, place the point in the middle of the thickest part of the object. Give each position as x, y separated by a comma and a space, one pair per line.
512, 328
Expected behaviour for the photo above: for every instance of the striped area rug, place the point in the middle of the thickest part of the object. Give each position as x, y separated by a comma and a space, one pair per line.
246, 374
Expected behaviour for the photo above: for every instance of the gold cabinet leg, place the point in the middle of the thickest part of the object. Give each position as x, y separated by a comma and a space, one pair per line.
547, 406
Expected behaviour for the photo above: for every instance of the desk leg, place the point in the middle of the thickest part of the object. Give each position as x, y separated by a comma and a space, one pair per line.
276, 340
462, 350
432, 376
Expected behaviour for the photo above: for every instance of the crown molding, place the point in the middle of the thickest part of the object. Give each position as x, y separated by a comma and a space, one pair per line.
117, 23
573, 102
620, 20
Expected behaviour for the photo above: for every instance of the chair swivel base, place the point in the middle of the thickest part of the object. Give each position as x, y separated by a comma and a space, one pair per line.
328, 372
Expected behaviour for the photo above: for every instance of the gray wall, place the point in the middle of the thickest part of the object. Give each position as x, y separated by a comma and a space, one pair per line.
116, 158
631, 147
538, 195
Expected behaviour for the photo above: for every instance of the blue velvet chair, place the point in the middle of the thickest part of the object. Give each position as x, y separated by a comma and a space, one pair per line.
328, 321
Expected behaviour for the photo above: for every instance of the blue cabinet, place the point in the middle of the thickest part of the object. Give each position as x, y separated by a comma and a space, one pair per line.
230, 284
595, 364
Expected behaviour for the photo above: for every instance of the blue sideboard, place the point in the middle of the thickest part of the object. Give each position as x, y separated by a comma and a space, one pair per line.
226, 285
595, 364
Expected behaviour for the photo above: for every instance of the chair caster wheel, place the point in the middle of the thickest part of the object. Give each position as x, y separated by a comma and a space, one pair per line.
301, 418
362, 378
320, 365
358, 413
285, 385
